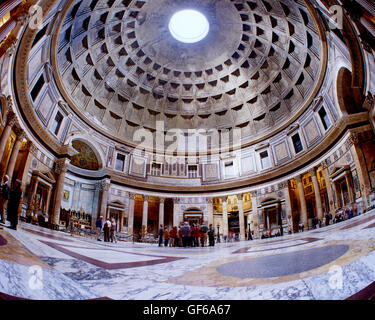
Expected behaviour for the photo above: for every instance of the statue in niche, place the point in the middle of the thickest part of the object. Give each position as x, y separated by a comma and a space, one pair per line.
369, 102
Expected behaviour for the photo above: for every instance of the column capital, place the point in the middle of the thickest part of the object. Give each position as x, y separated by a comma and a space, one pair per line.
11, 119
132, 195
353, 139
161, 200
284, 184
298, 178
30, 146
312, 172
20, 134
323, 164
224, 198
176, 200
146, 197
103, 185
239, 196
61, 165
253, 194
210, 200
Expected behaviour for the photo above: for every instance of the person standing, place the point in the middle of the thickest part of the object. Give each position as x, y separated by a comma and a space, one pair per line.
166, 237
5, 192
13, 204
113, 231
172, 237
211, 235
106, 229
99, 227
161, 233
186, 234
203, 234
194, 235
67, 220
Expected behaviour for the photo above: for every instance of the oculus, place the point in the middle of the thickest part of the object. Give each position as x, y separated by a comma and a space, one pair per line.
189, 26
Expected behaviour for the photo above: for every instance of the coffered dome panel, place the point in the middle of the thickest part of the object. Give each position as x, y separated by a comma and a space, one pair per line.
256, 68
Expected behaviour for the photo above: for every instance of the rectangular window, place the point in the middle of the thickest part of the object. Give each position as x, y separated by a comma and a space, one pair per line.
4, 19
297, 143
37, 87
120, 162
57, 123
39, 35
324, 118
265, 160
229, 169
192, 171
156, 169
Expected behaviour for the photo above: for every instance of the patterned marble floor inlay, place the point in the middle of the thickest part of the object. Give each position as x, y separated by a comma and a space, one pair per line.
101, 257
284, 264
358, 223
296, 266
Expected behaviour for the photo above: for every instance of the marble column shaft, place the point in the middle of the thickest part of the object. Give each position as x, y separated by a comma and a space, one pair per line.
254, 209
6, 132
145, 214
329, 190
350, 189
288, 203
241, 216
48, 200
318, 199
104, 199
61, 168
34, 185
210, 207
14, 155
225, 216
175, 212
131, 213
161, 211
303, 213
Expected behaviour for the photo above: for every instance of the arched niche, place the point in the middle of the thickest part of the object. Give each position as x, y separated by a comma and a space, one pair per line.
87, 156
345, 93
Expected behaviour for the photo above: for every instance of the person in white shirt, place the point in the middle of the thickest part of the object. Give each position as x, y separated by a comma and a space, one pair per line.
113, 230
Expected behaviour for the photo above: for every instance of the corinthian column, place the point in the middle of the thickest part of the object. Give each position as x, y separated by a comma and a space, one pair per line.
303, 214
145, 215
11, 120
131, 213
254, 209
175, 211
210, 207
241, 216
318, 199
16, 148
161, 211
225, 216
104, 186
60, 169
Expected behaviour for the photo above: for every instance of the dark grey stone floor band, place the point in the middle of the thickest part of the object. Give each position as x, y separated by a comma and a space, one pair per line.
283, 264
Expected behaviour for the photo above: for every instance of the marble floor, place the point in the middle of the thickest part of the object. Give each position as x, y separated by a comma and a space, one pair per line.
332, 263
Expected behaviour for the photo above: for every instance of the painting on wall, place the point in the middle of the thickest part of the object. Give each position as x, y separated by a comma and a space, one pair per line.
66, 195
85, 158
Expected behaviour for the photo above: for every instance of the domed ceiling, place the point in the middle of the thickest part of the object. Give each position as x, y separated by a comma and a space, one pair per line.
257, 67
